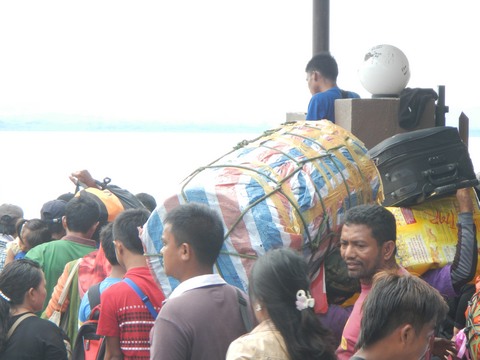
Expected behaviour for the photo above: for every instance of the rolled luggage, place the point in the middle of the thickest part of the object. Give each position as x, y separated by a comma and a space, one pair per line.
289, 187
423, 164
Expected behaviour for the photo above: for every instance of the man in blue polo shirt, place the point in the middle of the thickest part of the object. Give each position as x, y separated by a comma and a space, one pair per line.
322, 72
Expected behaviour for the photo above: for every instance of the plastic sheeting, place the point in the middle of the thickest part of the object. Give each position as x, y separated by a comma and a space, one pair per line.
288, 188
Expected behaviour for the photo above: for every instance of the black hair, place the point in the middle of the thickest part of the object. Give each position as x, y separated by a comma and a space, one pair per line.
81, 213
274, 281
55, 226
19, 225
39, 232
378, 219
16, 279
147, 200
395, 300
200, 227
125, 228
325, 64
106, 242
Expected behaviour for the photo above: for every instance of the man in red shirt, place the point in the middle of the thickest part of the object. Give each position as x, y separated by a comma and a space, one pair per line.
124, 318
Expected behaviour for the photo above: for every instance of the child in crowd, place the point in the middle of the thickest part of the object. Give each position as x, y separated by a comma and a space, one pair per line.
30, 234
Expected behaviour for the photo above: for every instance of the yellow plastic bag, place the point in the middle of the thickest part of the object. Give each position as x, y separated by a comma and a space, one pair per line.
427, 233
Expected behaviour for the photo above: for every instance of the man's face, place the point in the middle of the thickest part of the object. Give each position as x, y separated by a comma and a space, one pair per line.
170, 252
360, 251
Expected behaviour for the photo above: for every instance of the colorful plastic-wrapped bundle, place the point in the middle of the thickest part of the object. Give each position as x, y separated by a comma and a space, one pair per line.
287, 188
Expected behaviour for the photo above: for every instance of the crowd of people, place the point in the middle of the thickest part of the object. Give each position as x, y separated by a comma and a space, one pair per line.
88, 245
396, 315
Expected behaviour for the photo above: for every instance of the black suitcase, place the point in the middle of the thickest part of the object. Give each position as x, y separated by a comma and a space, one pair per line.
423, 164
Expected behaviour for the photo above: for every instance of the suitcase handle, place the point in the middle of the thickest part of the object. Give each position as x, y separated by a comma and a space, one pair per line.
452, 187
442, 175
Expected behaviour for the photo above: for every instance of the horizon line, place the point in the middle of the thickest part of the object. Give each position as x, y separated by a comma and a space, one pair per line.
142, 126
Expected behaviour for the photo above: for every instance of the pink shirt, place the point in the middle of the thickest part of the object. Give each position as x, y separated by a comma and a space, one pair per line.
352, 328
351, 331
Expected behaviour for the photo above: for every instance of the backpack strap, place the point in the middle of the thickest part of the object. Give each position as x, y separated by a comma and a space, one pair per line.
66, 287
94, 295
142, 296
345, 94
17, 322
243, 311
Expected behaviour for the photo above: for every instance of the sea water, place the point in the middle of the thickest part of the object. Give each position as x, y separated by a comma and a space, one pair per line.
36, 164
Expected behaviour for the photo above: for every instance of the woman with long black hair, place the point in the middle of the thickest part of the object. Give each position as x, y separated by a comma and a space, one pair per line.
288, 329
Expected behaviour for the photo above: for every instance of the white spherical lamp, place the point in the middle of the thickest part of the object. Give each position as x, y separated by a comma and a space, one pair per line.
385, 71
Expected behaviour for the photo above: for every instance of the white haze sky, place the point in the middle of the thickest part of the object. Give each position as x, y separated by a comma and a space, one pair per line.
192, 61
218, 61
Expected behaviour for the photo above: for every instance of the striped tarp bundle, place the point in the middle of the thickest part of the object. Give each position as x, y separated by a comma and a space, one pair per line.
288, 188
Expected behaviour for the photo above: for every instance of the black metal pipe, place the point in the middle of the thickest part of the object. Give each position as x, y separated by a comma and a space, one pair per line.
441, 109
321, 26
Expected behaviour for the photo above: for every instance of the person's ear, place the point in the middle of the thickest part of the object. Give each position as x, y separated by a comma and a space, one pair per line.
185, 251
407, 334
93, 229
30, 295
118, 247
388, 249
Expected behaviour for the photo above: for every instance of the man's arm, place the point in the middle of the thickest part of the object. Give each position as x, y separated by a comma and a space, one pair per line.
10, 255
84, 309
112, 348
57, 290
84, 177
449, 279
464, 264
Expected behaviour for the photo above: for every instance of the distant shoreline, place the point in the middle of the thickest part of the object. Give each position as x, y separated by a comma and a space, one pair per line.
129, 127
142, 126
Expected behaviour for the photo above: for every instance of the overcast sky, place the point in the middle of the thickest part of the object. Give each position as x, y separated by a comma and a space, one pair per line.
217, 60
207, 62
438, 38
